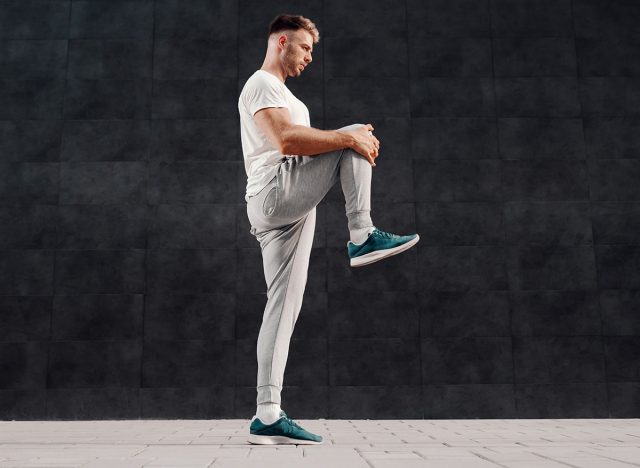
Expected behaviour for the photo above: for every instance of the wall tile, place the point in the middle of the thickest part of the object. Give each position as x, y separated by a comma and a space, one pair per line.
467, 401
31, 99
389, 401
531, 17
33, 19
32, 59
116, 19
548, 313
467, 360
97, 317
612, 137
25, 318
618, 308
342, 19
195, 402
355, 60
537, 97
392, 361
551, 267
621, 354
452, 97
618, 266
72, 364
551, 223
30, 140
449, 18
461, 268
169, 363
541, 138
576, 359
93, 403
570, 400
450, 223
454, 138
545, 180
608, 55
614, 179
28, 226
464, 313
534, 56
100, 271
610, 96
450, 56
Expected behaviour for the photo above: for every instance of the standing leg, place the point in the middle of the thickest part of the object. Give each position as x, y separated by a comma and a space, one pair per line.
283, 219
285, 255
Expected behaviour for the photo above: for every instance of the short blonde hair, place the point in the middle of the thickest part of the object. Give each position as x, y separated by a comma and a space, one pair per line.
293, 23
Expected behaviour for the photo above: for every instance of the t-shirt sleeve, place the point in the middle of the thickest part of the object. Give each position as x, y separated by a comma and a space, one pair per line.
263, 94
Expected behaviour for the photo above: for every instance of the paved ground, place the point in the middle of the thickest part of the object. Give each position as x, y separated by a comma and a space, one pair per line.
517, 443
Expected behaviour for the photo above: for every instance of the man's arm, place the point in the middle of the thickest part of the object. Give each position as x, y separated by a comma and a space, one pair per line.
275, 123
309, 141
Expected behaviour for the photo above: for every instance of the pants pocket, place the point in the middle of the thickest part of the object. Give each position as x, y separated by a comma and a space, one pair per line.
270, 201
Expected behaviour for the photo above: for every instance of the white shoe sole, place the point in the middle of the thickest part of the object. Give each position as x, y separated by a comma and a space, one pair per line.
372, 257
277, 440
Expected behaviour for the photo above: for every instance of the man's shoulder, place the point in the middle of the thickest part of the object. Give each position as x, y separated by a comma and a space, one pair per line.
260, 78
256, 82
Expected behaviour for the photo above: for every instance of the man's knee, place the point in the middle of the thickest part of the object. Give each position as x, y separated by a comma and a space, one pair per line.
352, 126
356, 157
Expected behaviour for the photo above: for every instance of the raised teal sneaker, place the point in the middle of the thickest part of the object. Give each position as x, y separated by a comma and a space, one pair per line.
283, 431
379, 245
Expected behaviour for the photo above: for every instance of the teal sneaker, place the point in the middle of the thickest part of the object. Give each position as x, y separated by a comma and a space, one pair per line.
379, 245
283, 431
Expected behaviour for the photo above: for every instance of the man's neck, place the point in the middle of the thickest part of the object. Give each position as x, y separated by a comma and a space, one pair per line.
275, 71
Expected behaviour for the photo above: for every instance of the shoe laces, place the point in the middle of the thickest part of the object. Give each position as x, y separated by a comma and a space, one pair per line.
385, 234
292, 422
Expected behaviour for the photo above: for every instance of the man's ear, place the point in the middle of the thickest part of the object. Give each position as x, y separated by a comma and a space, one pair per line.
282, 40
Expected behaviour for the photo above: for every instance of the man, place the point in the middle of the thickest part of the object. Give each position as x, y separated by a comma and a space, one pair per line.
290, 167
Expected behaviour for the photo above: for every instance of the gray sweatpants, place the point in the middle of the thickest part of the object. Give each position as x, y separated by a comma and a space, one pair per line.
283, 219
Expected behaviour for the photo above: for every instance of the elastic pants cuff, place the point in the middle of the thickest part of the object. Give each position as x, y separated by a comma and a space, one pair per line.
359, 220
268, 394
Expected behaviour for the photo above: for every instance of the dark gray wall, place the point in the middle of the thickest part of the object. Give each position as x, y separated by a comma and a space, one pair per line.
131, 287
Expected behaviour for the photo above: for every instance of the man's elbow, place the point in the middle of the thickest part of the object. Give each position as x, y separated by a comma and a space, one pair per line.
288, 149
283, 147
285, 143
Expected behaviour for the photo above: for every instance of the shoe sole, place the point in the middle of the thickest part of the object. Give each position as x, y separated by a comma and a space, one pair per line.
278, 440
377, 255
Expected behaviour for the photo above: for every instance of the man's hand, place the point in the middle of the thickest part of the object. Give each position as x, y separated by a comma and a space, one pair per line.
365, 143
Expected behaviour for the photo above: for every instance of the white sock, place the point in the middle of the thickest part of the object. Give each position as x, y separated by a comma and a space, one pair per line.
358, 236
268, 413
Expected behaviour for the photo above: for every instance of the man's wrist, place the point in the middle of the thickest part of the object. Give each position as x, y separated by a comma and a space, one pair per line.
345, 140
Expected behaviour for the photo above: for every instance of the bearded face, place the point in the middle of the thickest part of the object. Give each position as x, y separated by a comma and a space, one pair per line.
297, 52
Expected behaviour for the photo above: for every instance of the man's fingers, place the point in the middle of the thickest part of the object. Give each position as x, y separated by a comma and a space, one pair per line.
371, 160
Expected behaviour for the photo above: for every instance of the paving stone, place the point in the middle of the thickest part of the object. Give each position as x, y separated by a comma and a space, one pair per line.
510, 443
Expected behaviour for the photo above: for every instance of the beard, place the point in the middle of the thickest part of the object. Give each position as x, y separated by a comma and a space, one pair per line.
293, 65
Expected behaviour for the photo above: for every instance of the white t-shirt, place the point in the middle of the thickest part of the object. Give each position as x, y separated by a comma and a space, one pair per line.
261, 157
